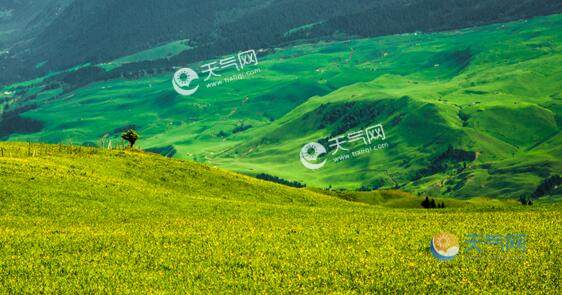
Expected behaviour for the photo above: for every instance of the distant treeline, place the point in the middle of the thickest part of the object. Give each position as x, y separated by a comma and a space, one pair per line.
452, 158
279, 180
547, 186
12, 122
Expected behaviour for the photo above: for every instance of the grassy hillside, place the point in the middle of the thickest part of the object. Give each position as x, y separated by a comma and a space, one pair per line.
491, 91
478, 91
82, 219
163, 51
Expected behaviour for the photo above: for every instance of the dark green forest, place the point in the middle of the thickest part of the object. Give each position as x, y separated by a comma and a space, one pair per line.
96, 31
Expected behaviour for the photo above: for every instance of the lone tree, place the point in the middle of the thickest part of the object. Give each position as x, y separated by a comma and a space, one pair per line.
131, 136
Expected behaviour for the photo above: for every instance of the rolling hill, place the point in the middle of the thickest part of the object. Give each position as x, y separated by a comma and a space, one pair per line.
472, 112
79, 219
286, 146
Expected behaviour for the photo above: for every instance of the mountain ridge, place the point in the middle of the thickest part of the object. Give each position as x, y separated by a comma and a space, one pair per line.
91, 32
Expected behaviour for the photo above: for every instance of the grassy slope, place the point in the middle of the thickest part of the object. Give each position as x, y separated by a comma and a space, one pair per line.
510, 92
163, 51
504, 78
118, 221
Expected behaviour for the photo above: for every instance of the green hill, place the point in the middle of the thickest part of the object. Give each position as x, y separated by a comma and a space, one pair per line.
79, 219
492, 92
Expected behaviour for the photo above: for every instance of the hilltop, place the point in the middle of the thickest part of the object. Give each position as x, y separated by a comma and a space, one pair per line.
79, 170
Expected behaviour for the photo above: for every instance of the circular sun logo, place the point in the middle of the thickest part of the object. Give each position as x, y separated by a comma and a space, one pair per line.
182, 81
310, 153
444, 246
